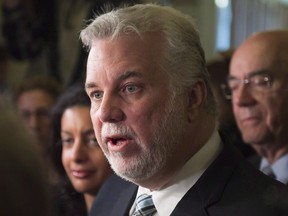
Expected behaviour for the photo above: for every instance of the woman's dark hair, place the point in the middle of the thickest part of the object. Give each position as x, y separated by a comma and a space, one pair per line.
70, 202
75, 95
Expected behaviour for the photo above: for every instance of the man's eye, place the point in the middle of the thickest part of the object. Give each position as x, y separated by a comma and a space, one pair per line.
262, 81
97, 95
26, 114
131, 88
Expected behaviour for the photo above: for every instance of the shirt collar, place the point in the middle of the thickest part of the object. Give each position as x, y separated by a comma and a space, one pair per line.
279, 168
185, 178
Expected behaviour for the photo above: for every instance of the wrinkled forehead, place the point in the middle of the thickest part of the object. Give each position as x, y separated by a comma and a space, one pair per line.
266, 51
248, 59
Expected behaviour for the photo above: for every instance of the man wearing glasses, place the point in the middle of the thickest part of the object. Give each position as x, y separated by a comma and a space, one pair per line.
218, 68
34, 98
258, 83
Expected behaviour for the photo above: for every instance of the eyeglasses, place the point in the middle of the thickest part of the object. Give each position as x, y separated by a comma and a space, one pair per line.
225, 91
256, 82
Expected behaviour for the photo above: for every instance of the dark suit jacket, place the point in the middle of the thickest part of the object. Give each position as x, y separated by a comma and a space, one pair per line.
255, 160
229, 187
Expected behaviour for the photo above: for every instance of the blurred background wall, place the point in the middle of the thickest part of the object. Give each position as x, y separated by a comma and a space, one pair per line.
223, 24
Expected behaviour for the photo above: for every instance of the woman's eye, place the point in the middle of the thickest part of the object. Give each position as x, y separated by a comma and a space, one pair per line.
67, 141
92, 141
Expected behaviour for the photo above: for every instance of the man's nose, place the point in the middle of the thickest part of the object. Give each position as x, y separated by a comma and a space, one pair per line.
243, 96
33, 121
110, 109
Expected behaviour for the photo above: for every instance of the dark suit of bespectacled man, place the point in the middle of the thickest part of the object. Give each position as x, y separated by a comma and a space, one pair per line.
154, 116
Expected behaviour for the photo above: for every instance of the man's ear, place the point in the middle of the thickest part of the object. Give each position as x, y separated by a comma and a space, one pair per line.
197, 96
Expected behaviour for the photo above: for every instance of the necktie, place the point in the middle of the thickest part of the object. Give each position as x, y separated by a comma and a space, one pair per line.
144, 206
269, 172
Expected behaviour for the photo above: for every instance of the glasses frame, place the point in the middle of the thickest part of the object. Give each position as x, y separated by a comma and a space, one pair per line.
226, 92
261, 84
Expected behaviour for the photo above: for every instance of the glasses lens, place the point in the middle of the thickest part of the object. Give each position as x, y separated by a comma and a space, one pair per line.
260, 82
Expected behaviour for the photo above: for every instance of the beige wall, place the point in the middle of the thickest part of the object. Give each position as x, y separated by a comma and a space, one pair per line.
204, 13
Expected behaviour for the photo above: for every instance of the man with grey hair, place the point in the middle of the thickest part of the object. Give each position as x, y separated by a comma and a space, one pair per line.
154, 116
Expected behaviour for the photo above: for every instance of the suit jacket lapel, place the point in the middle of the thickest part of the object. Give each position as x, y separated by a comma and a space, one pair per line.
115, 197
125, 201
255, 160
189, 205
210, 186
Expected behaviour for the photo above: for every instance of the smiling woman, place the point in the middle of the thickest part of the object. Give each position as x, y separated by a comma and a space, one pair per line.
78, 158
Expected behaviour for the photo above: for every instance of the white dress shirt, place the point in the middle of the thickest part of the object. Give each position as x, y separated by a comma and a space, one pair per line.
279, 168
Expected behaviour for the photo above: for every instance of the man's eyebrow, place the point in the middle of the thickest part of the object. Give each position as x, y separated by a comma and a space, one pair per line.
258, 72
124, 76
251, 74
90, 85
128, 74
